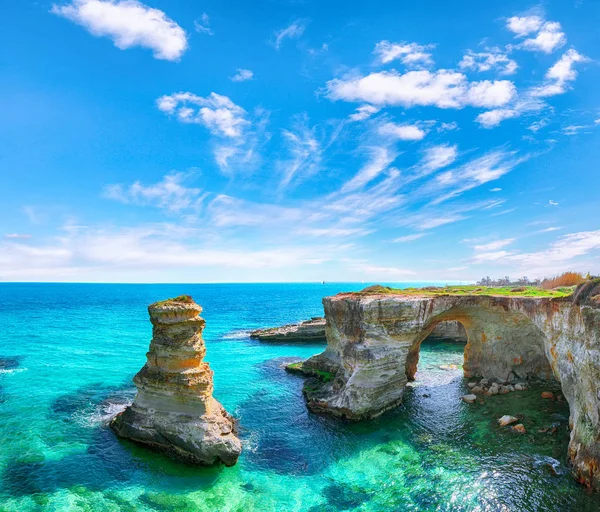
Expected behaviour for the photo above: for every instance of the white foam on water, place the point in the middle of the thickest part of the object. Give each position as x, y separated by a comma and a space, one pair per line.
12, 370
237, 335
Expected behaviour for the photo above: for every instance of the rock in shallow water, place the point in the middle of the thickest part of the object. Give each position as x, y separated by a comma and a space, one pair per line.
174, 410
507, 420
469, 399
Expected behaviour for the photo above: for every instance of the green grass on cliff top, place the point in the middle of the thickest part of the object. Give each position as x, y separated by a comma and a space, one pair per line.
503, 291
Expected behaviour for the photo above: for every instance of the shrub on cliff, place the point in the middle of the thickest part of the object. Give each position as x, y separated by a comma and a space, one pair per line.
564, 279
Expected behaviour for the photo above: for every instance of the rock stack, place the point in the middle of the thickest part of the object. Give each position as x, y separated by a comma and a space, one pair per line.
174, 410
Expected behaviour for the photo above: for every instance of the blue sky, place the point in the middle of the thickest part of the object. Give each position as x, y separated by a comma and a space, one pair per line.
205, 141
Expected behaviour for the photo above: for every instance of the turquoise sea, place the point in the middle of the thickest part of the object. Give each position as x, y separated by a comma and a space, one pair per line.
68, 353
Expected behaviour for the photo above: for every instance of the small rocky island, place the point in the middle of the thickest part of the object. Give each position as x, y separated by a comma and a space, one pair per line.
309, 330
174, 410
513, 335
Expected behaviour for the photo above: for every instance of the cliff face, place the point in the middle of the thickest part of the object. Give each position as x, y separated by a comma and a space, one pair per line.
373, 349
174, 410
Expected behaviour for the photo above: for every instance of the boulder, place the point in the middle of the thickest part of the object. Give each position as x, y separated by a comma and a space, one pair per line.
470, 399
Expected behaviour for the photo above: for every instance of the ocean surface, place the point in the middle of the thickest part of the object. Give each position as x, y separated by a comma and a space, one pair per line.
68, 353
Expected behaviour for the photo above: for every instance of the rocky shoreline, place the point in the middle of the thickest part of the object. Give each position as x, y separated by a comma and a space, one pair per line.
308, 330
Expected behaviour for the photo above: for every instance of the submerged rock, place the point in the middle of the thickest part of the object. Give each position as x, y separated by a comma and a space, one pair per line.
470, 399
174, 410
507, 420
519, 429
309, 330
548, 395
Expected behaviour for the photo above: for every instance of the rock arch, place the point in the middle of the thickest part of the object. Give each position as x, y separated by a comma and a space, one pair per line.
501, 344
373, 344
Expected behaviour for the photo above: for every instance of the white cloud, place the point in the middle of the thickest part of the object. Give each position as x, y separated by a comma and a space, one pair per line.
363, 113
525, 25
493, 246
493, 118
410, 54
560, 74
381, 158
218, 113
242, 75
17, 235
552, 259
496, 189
548, 34
128, 23
402, 131
552, 203
409, 238
443, 89
488, 61
203, 25
169, 193
293, 31
548, 39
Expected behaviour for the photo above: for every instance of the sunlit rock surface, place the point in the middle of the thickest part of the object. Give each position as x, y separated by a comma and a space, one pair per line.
373, 346
174, 410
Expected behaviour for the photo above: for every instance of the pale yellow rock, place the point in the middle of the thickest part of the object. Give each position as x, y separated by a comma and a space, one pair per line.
174, 410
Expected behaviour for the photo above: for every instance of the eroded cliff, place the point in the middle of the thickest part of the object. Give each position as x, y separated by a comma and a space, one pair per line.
373, 343
174, 410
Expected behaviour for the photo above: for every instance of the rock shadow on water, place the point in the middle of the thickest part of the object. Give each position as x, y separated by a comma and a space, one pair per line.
10, 362
279, 433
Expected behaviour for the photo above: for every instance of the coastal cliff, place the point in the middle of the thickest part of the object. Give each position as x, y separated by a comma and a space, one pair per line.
373, 341
174, 410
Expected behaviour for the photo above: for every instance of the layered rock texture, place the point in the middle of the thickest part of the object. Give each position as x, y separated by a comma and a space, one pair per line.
174, 410
314, 330
309, 330
373, 343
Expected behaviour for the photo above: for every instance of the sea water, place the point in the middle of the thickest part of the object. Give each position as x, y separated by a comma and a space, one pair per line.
68, 353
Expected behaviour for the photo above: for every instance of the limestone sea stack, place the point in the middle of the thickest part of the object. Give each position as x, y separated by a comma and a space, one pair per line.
174, 410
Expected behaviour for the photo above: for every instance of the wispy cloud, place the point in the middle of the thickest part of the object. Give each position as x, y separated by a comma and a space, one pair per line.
242, 75
410, 54
380, 158
218, 113
293, 31
203, 25
17, 236
169, 193
128, 23
492, 60
408, 238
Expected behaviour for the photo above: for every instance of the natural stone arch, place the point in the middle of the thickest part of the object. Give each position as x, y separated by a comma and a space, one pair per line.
371, 337
501, 344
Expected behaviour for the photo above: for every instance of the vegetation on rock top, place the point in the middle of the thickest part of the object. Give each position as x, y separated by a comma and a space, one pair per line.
501, 291
181, 299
